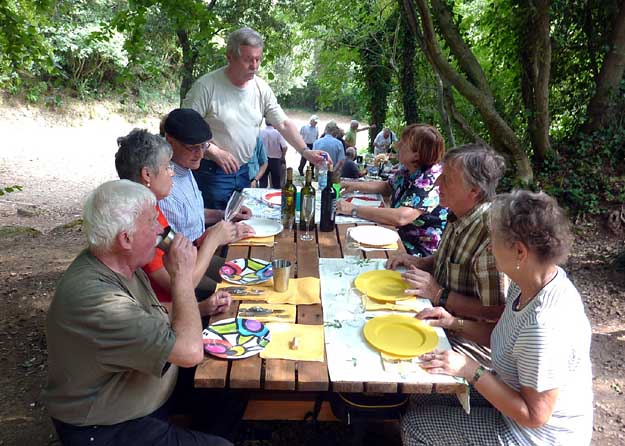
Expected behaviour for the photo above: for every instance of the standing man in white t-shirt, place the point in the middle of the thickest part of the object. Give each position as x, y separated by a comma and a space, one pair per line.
383, 141
234, 101
310, 134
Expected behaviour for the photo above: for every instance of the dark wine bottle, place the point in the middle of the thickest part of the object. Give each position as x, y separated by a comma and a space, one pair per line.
289, 191
307, 203
328, 205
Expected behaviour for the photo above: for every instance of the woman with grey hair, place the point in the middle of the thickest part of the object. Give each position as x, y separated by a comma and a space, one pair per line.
539, 390
145, 158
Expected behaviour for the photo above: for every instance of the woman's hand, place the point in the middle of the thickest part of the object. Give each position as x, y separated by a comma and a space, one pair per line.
223, 232
422, 284
217, 303
437, 317
449, 363
349, 186
344, 207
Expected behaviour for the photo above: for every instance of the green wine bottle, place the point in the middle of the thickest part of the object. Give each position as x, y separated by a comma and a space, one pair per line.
289, 191
307, 203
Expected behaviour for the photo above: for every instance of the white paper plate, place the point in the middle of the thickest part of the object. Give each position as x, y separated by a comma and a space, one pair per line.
374, 235
264, 227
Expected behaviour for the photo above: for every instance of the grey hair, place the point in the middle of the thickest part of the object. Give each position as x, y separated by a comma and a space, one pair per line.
333, 129
243, 36
536, 220
113, 207
481, 167
350, 152
137, 150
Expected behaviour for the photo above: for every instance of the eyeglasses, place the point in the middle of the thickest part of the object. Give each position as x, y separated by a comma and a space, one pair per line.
197, 147
170, 167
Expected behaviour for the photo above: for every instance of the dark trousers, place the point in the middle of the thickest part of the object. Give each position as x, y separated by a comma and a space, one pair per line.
302, 162
274, 169
217, 412
217, 186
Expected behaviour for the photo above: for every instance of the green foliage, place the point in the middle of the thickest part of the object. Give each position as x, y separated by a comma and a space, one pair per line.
9, 189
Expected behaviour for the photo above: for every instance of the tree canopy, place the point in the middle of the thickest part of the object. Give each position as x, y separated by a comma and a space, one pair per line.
539, 80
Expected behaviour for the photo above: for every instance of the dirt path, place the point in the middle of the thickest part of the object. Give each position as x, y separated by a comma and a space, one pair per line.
58, 158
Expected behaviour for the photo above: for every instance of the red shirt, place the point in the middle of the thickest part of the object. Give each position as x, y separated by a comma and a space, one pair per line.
157, 263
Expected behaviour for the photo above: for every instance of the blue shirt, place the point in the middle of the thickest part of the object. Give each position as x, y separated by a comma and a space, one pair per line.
258, 158
333, 146
184, 206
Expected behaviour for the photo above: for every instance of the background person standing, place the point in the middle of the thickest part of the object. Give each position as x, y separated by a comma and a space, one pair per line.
275, 146
310, 134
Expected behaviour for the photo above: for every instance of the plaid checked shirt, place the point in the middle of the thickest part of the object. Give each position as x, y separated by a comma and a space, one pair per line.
463, 262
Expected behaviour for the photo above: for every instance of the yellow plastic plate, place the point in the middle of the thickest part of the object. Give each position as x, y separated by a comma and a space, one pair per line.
400, 335
383, 284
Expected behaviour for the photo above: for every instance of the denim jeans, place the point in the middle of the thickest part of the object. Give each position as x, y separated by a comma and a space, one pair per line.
217, 186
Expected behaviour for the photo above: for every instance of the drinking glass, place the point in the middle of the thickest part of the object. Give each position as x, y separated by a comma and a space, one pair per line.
307, 213
351, 254
357, 301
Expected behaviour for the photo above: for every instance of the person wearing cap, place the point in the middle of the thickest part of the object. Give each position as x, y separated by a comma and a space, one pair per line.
189, 136
310, 134
234, 100
350, 136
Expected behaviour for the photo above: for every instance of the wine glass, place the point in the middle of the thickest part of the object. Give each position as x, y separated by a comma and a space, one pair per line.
307, 214
351, 254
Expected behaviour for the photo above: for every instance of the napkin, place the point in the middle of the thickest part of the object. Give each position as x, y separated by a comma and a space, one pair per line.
255, 241
369, 203
412, 305
287, 315
303, 291
391, 247
310, 342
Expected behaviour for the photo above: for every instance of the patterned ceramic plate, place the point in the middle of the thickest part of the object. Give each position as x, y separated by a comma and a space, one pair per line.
273, 198
246, 271
236, 338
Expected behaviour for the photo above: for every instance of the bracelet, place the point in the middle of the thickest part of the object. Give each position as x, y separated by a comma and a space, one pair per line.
478, 374
442, 300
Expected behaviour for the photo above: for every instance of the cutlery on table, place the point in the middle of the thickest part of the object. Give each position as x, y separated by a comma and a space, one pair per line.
257, 309
242, 291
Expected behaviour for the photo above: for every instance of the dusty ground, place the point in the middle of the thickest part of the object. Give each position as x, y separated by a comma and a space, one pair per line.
59, 157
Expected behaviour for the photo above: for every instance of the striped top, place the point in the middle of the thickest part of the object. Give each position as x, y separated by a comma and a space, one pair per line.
184, 207
546, 345
463, 262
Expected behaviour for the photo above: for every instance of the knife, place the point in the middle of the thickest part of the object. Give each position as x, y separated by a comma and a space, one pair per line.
251, 314
242, 291
261, 310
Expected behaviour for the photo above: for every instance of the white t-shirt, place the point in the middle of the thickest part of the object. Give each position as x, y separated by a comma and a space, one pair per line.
234, 114
273, 141
381, 144
546, 345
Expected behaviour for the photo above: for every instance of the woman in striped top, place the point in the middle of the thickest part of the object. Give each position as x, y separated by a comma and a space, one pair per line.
539, 390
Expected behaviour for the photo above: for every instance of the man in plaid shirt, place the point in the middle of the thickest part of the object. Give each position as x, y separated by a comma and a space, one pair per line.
462, 276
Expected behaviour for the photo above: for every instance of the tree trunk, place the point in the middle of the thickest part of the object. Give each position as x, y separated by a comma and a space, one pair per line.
189, 57
535, 75
407, 82
502, 136
443, 111
610, 76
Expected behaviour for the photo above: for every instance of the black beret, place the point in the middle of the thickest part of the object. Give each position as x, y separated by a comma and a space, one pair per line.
187, 126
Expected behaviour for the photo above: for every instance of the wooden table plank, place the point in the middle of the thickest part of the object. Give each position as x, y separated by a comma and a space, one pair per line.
246, 373
328, 246
381, 387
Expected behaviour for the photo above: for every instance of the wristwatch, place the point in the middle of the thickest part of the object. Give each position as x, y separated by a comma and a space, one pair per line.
355, 211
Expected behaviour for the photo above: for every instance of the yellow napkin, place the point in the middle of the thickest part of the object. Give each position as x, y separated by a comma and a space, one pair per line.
255, 241
303, 291
402, 365
391, 247
309, 337
287, 315
412, 305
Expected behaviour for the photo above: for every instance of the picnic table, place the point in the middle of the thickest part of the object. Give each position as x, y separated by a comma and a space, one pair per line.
285, 389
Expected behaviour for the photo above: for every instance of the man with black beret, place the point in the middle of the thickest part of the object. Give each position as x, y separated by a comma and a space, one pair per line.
189, 134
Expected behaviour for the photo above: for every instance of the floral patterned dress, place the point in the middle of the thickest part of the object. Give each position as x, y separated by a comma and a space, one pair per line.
422, 236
